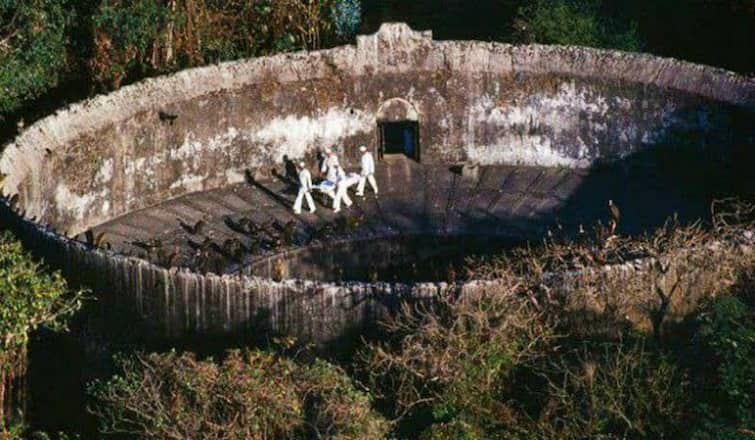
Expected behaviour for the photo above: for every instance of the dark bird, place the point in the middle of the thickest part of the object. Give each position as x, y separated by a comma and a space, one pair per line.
289, 233
99, 239
355, 221
167, 117
148, 245
13, 201
450, 274
581, 235
324, 232
195, 229
206, 245
559, 226
48, 152
89, 236
373, 274
277, 270
602, 233
615, 213
167, 259
233, 249
244, 225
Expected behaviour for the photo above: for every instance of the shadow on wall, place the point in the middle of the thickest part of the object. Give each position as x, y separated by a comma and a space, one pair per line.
681, 173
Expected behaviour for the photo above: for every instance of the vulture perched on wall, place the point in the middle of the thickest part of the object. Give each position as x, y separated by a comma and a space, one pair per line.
615, 215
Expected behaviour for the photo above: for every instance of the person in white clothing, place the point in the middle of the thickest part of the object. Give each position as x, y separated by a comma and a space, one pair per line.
342, 185
305, 186
367, 173
330, 166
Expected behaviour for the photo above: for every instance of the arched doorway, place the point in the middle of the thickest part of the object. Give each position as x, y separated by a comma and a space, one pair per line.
398, 129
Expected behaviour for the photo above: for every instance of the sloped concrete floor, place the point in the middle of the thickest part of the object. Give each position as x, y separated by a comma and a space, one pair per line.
516, 202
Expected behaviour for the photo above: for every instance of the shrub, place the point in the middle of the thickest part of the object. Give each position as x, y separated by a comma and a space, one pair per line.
347, 16
29, 298
249, 395
573, 22
32, 49
138, 38
725, 378
611, 390
453, 359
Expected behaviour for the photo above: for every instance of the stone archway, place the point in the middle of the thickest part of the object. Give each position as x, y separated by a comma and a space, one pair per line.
398, 128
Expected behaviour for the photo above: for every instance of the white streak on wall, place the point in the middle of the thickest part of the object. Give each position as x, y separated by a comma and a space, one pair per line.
75, 205
527, 150
294, 136
524, 133
189, 182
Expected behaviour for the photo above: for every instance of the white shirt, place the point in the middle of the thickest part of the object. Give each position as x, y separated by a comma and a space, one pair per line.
305, 179
330, 167
368, 164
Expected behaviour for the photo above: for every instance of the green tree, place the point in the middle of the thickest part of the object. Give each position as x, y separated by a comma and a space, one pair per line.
29, 297
726, 378
138, 38
573, 22
33, 48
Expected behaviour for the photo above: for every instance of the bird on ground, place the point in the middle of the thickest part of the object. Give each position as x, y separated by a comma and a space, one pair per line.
581, 234
167, 259
615, 213
233, 249
602, 233
277, 270
289, 233
13, 202
197, 228
450, 274
373, 274
233, 225
148, 245
355, 221
167, 117
94, 240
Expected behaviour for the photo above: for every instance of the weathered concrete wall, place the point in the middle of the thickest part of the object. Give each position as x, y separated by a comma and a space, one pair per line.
484, 102
168, 303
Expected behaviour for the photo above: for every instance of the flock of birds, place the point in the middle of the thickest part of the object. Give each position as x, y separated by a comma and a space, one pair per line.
252, 238
205, 253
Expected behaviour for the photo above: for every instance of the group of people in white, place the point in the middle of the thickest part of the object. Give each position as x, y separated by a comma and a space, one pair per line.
337, 181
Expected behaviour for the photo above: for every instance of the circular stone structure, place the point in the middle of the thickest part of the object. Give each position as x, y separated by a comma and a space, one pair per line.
480, 146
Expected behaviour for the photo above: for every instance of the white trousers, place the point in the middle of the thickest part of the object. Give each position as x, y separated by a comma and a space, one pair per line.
363, 180
341, 194
300, 197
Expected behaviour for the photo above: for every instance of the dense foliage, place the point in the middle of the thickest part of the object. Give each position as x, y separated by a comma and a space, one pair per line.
43, 42
138, 38
250, 395
574, 22
511, 362
32, 49
29, 298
